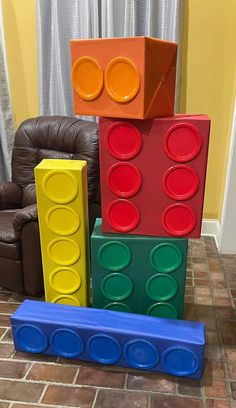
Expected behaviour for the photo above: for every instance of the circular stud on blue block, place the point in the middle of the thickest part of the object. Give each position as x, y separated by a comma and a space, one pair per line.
180, 361
66, 343
104, 349
31, 338
141, 354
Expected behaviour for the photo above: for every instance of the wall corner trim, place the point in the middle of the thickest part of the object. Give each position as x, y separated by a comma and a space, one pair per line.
211, 227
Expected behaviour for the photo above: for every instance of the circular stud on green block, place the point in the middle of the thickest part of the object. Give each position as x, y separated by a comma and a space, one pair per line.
118, 307
166, 258
164, 310
161, 287
116, 286
114, 256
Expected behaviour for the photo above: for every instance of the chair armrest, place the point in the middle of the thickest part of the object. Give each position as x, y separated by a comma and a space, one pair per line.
23, 216
10, 195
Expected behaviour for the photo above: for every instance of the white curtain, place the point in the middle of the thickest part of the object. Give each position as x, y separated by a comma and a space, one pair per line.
6, 117
61, 20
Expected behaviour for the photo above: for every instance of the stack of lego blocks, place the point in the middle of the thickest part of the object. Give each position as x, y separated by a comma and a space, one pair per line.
152, 174
152, 171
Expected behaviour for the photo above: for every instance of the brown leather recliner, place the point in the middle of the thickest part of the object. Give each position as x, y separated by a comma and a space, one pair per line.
54, 137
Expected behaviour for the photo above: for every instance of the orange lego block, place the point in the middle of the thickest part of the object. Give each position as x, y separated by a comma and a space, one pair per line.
130, 77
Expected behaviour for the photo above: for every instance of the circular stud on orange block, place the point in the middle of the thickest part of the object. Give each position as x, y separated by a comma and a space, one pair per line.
182, 142
123, 140
122, 79
124, 179
178, 219
87, 78
180, 182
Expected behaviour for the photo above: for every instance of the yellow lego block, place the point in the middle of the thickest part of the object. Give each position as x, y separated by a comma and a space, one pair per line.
62, 198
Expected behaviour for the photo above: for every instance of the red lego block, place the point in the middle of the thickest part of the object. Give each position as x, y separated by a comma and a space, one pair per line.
153, 175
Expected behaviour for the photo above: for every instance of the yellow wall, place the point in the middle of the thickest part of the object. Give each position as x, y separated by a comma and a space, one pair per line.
21, 47
209, 61
209, 67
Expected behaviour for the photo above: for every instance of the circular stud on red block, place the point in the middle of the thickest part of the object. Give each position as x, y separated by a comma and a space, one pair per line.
182, 142
124, 179
180, 182
123, 140
122, 215
178, 219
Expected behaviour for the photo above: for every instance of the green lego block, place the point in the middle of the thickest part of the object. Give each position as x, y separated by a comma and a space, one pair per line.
138, 274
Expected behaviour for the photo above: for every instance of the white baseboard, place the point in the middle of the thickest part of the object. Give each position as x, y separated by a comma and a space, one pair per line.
211, 228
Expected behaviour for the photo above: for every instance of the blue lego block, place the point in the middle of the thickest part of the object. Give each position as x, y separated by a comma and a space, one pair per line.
107, 337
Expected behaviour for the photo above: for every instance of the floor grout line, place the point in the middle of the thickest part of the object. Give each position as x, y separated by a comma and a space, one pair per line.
43, 393
95, 399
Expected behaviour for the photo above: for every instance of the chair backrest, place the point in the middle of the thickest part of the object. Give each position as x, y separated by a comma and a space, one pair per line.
53, 137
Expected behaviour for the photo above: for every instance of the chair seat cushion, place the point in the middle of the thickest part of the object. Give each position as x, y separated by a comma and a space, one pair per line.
10, 251
10, 247
7, 233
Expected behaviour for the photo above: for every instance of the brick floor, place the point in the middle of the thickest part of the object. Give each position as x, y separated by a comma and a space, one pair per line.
42, 381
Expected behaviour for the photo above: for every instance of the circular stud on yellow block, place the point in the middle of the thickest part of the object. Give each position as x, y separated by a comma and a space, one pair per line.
63, 251
65, 280
66, 300
60, 186
87, 78
122, 79
62, 220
